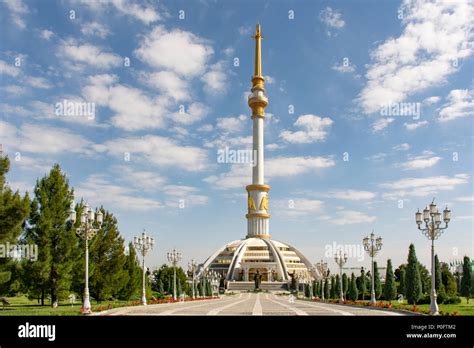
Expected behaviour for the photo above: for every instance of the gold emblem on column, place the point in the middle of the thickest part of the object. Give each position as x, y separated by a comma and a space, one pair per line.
251, 203
264, 203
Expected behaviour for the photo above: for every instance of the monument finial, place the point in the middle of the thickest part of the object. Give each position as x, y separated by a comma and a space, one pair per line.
258, 51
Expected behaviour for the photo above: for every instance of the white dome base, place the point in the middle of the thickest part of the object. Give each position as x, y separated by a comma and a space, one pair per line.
274, 260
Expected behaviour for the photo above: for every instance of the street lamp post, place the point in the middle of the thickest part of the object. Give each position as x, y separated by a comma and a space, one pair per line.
322, 268
86, 232
192, 267
432, 218
341, 259
174, 257
372, 246
143, 244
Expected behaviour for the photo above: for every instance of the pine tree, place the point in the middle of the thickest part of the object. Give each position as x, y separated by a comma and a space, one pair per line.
390, 289
439, 286
352, 292
425, 277
377, 283
448, 281
52, 232
402, 286
345, 284
315, 288
134, 272
108, 256
13, 212
413, 279
466, 280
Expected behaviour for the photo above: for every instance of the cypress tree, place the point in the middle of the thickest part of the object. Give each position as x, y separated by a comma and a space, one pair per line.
377, 283
390, 289
466, 280
333, 288
352, 292
402, 286
362, 283
108, 256
413, 279
448, 281
337, 290
345, 284
326, 289
315, 288
14, 210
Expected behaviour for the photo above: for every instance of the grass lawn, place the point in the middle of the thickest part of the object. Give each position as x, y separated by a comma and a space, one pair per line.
462, 308
20, 305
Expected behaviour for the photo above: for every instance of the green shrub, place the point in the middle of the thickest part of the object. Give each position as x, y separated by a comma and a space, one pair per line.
425, 300
452, 300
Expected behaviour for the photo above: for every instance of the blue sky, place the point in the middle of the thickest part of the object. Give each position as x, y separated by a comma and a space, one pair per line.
339, 166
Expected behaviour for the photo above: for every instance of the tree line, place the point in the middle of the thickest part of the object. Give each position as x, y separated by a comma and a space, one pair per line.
410, 281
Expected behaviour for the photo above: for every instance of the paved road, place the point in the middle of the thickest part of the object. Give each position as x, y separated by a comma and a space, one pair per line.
248, 304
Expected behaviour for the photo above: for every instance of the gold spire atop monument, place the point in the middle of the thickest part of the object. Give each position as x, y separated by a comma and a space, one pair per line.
258, 51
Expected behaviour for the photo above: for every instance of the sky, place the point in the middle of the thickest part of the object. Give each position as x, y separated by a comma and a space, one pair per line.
370, 117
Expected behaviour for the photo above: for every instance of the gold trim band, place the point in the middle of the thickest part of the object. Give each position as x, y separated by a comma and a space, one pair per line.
257, 187
261, 215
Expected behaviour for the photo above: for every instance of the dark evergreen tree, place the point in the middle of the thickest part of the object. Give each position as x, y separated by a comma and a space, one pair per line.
333, 288
448, 281
413, 279
362, 283
425, 277
466, 280
377, 283
345, 284
107, 253
402, 286
134, 283
390, 289
337, 290
315, 288
14, 211
352, 292
326, 289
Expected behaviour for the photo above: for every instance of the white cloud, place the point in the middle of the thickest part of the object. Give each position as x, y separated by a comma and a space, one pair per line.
420, 162
97, 190
38, 82
314, 127
241, 174
268, 79
290, 166
273, 147
206, 128
332, 18
95, 29
8, 69
170, 84
194, 113
18, 10
415, 125
145, 13
245, 30
460, 104
143, 180
46, 34
87, 55
296, 207
350, 217
133, 109
180, 196
15, 90
232, 124
38, 138
215, 80
465, 199
157, 150
177, 50
420, 187
381, 123
352, 195
431, 100
378, 157
402, 147
422, 56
